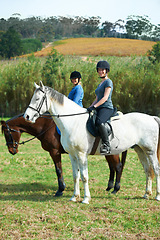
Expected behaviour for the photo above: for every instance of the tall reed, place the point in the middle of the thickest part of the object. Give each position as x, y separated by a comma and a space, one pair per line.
136, 82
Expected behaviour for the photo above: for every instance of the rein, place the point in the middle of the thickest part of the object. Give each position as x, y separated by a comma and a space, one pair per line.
13, 130
35, 136
44, 99
59, 116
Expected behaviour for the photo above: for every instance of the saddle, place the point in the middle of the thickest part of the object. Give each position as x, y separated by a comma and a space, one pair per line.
91, 126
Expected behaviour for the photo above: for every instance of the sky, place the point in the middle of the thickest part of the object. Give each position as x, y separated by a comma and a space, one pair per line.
108, 10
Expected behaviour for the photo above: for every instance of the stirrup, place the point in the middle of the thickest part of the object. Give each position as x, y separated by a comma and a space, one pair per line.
105, 149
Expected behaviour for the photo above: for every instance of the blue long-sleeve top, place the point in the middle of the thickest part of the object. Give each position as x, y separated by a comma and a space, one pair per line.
76, 95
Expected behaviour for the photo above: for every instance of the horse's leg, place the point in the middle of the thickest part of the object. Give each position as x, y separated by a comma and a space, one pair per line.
119, 170
115, 165
156, 168
148, 171
112, 161
83, 164
58, 166
76, 177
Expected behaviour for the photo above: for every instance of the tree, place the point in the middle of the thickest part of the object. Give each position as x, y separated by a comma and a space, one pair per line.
107, 27
10, 44
137, 26
90, 25
3, 25
119, 25
156, 33
46, 33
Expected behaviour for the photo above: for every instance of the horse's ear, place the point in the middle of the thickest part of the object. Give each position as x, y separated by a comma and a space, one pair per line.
2, 122
36, 85
41, 84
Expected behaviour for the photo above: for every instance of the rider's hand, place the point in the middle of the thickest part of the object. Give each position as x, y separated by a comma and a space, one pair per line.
90, 109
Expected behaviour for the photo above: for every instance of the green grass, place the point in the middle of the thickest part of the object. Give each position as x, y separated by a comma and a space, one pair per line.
29, 209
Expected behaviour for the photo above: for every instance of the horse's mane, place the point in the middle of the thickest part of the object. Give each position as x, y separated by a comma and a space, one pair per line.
59, 97
15, 117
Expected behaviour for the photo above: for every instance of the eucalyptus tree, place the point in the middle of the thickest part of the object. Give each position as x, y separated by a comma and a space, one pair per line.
137, 26
107, 28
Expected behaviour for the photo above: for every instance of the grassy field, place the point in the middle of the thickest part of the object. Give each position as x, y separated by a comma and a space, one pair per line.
29, 209
99, 47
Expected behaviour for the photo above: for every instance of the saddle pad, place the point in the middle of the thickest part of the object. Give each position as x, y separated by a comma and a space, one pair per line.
91, 127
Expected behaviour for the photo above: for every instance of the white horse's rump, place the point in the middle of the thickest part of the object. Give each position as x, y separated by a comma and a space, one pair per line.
136, 130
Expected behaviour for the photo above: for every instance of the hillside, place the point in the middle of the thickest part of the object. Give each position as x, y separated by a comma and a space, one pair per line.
99, 47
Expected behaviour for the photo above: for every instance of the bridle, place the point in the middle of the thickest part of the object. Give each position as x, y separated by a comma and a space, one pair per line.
44, 98
38, 110
15, 143
11, 139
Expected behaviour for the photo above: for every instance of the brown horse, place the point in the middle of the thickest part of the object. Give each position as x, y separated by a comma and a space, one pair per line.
45, 130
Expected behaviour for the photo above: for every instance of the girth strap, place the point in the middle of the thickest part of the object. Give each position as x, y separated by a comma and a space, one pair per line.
95, 145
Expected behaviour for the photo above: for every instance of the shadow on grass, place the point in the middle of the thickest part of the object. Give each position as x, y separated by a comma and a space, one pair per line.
29, 192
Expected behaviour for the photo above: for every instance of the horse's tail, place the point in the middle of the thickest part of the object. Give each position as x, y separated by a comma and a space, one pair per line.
158, 147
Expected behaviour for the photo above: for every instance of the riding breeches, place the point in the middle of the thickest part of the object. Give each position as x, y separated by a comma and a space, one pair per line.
103, 114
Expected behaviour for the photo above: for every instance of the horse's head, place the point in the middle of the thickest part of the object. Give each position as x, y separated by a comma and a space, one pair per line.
38, 104
12, 136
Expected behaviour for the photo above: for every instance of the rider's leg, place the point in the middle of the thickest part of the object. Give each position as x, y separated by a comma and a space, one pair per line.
105, 147
104, 114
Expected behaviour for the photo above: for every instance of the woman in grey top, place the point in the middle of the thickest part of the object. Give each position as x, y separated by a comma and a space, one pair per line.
103, 104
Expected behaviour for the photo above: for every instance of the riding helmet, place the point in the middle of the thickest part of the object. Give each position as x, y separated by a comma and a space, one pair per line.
75, 74
104, 65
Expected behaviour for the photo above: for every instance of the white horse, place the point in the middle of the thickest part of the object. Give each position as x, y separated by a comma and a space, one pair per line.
136, 130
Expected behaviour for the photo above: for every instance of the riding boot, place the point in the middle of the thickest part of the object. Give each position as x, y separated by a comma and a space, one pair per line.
105, 147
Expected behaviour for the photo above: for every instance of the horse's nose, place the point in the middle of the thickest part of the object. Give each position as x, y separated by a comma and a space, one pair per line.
13, 151
26, 117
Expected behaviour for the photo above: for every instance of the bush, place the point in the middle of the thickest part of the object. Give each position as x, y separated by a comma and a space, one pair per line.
16, 88
51, 69
31, 45
154, 54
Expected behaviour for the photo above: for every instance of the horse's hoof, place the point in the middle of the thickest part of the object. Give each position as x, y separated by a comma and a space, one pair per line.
157, 197
58, 194
116, 188
108, 189
74, 198
110, 186
146, 196
114, 191
86, 200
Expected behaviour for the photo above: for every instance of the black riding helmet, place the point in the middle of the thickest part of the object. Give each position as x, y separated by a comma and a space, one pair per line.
104, 65
74, 75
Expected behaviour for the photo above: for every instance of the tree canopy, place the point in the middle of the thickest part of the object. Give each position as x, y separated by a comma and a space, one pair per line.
14, 30
48, 29
10, 44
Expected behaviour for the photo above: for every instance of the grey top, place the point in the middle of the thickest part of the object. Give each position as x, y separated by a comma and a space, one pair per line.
100, 93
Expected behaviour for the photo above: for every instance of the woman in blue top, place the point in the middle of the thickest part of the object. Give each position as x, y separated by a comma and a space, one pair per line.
103, 104
76, 94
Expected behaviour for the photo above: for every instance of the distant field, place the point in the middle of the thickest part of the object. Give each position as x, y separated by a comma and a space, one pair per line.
99, 47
